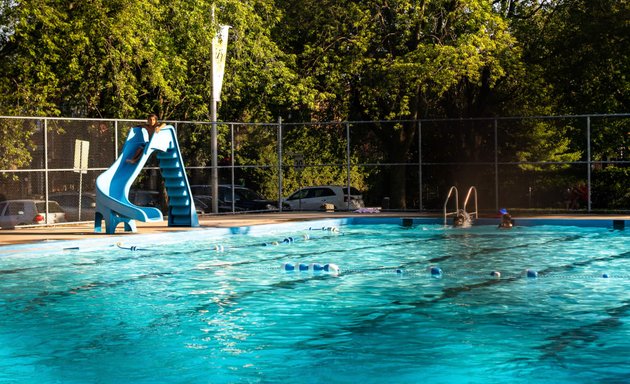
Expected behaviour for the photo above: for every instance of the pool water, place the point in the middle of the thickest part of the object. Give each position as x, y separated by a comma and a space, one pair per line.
224, 310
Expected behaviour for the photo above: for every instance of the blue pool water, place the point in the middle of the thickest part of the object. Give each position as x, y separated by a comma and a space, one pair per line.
199, 308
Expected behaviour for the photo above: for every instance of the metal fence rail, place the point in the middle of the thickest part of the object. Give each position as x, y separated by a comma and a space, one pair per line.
581, 163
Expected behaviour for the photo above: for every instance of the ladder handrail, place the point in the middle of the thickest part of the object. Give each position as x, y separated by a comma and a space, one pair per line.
470, 190
450, 192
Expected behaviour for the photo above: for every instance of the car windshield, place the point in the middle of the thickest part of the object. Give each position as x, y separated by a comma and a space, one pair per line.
201, 190
301, 194
53, 207
247, 194
72, 201
353, 191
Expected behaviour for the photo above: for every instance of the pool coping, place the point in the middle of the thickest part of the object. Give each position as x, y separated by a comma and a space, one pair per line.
66, 236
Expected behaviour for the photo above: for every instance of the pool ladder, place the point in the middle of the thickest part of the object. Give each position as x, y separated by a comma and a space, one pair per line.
468, 195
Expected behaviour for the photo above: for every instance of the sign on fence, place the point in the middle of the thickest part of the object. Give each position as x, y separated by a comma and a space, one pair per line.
81, 151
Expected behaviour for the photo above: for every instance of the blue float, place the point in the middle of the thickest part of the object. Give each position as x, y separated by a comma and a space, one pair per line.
605, 276
496, 274
532, 273
316, 267
436, 271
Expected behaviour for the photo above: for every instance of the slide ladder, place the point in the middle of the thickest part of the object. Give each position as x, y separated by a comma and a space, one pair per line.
181, 206
112, 186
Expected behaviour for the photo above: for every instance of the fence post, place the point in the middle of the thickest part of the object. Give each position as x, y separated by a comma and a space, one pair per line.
280, 163
232, 155
214, 157
420, 164
588, 162
46, 167
348, 162
496, 166
115, 139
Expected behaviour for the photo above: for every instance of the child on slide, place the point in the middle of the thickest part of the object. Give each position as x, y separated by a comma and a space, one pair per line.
152, 127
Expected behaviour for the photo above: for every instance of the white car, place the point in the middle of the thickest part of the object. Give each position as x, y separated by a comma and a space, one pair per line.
28, 212
315, 198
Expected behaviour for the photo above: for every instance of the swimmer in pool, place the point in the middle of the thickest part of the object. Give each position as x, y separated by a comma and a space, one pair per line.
506, 219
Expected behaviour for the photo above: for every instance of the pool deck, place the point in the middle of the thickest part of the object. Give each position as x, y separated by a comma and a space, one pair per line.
85, 230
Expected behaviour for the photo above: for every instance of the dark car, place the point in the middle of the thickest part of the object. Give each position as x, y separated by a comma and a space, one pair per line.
145, 198
69, 202
244, 198
203, 204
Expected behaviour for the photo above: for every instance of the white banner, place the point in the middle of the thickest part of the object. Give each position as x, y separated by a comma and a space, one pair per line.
219, 51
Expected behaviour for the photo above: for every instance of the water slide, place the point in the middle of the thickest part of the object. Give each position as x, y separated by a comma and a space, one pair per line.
112, 186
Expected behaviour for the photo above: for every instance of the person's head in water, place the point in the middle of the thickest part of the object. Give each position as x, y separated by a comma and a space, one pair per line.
462, 219
506, 219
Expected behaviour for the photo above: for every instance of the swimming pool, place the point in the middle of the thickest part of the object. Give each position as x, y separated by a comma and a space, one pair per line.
202, 308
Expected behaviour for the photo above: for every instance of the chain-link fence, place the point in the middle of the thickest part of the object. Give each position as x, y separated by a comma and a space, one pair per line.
553, 163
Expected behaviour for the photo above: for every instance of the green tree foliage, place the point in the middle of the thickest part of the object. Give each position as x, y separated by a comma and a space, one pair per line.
584, 45
403, 60
324, 60
113, 58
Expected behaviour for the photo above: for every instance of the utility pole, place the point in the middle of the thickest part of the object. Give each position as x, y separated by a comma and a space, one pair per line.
219, 51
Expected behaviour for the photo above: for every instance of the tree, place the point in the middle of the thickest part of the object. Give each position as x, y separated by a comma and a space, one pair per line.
113, 58
584, 49
402, 60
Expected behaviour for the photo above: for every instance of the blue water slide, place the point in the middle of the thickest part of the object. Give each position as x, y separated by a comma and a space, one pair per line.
112, 186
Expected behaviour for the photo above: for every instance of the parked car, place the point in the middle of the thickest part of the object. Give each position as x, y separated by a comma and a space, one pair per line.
69, 202
245, 199
314, 198
203, 204
145, 198
26, 212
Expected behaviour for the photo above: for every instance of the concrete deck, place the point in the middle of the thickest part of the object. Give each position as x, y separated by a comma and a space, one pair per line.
85, 230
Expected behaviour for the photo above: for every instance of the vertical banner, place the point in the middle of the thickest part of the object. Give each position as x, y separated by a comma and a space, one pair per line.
219, 51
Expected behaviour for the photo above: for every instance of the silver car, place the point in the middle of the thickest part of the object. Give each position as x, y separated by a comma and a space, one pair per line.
28, 212
315, 198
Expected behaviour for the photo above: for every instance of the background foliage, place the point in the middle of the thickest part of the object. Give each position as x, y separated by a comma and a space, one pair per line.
324, 60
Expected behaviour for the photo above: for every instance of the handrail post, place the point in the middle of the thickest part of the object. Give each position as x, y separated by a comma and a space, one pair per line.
470, 190
448, 197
